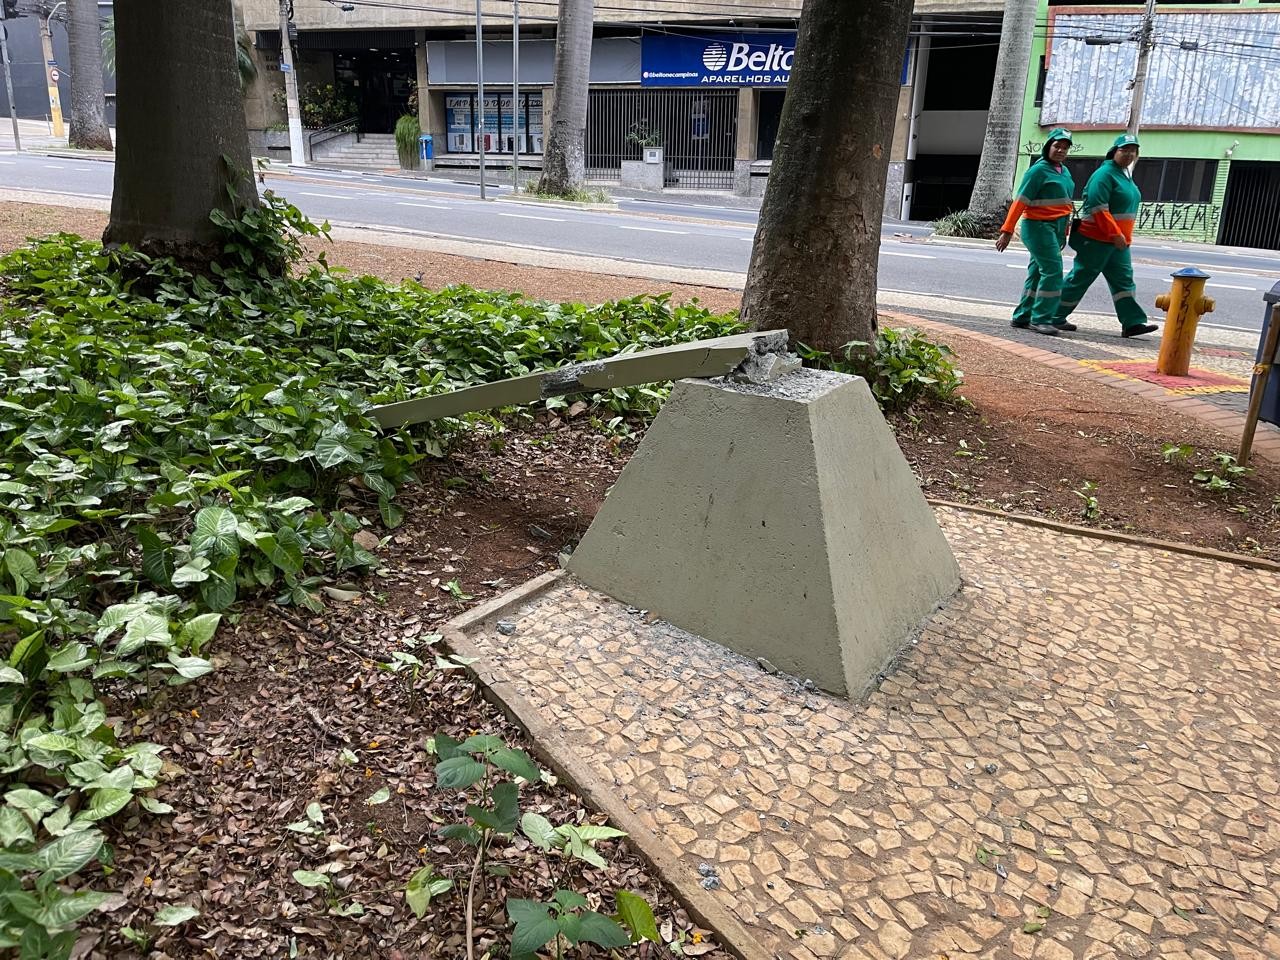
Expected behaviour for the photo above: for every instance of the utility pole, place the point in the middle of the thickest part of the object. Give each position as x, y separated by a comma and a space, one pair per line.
51, 71
297, 149
516, 112
480, 93
8, 79
1146, 41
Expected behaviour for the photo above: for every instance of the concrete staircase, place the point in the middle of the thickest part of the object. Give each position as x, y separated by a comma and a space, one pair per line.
374, 151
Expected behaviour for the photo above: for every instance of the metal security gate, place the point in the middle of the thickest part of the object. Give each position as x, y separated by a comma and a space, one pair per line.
1251, 209
697, 130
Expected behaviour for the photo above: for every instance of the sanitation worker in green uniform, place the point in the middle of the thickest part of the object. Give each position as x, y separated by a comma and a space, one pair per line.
1111, 201
1044, 203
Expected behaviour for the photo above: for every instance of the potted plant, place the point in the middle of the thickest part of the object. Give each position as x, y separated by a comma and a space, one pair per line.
649, 172
408, 130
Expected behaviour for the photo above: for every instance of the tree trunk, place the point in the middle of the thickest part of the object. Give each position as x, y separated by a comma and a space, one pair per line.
814, 262
181, 138
564, 163
88, 128
994, 186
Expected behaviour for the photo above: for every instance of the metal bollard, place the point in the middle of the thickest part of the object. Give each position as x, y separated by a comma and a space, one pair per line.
1182, 305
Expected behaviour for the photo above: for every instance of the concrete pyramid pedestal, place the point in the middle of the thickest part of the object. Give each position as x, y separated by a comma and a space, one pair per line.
779, 520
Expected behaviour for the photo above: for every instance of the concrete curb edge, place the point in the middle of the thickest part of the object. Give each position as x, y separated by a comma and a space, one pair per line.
555, 752
1114, 536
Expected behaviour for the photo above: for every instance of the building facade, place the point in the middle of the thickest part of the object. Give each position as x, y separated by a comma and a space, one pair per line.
1210, 122
703, 81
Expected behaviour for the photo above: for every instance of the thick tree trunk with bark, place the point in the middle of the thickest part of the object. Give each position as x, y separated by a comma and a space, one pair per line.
88, 128
814, 262
181, 138
994, 186
88, 124
564, 163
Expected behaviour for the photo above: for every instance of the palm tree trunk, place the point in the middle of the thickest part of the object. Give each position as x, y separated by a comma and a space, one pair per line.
814, 262
88, 128
181, 139
994, 185
564, 163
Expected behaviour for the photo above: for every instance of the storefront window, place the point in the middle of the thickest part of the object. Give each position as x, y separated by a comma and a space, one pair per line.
499, 126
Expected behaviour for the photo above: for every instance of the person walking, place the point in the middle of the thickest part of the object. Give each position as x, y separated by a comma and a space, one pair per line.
1102, 241
1044, 196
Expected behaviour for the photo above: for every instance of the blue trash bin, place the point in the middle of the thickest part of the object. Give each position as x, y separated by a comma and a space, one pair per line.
426, 148
1270, 411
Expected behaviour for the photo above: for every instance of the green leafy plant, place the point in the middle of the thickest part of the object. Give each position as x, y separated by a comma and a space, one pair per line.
960, 223
1089, 509
1176, 452
173, 443
407, 132
322, 880
321, 105
566, 918
902, 367
1223, 476
481, 761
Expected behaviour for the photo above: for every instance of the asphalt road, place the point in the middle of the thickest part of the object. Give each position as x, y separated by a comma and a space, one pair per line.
686, 234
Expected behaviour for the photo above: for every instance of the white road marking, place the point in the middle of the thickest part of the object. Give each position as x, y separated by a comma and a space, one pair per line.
1223, 326
427, 206
529, 216
682, 233
326, 196
1232, 286
913, 256
54, 166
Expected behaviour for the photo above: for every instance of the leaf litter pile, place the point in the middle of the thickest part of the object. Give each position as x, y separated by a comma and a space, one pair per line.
302, 753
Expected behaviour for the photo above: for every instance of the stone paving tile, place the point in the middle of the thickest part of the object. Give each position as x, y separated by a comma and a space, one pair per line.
1085, 738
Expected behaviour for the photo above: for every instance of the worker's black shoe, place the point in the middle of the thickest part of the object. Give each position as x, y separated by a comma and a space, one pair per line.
1065, 326
1048, 329
1020, 324
1138, 330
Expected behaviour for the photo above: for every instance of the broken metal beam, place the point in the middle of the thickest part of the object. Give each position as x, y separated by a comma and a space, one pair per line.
752, 356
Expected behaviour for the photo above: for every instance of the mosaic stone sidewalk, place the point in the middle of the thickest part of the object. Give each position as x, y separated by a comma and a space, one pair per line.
1079, 759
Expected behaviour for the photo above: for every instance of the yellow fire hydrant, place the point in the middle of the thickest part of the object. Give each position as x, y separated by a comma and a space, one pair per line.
1183, 305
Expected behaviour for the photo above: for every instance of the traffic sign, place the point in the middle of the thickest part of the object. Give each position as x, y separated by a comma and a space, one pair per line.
54, 75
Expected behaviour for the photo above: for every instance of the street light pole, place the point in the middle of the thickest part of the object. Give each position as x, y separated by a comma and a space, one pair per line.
480, 93
1145, 44
8, 80
51, 71
297, 149
516, 111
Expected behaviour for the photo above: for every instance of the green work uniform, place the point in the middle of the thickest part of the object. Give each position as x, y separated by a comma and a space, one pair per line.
1045, 186
1111, 201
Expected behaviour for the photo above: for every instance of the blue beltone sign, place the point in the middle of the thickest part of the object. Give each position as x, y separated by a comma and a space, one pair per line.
717, 60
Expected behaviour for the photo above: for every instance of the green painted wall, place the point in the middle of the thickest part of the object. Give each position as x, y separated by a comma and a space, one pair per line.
1196, 144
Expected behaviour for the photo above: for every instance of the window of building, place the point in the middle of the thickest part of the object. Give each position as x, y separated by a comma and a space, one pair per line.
499, 128
1160, 180
1041, 75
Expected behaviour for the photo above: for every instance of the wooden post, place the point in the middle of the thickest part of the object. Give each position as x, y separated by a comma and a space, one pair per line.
1261, 374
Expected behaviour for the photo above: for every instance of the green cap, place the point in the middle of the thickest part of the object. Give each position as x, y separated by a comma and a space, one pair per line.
1125, 140
1058, 133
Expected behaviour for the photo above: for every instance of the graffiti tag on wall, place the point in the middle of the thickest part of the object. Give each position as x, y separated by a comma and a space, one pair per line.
1179, 218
